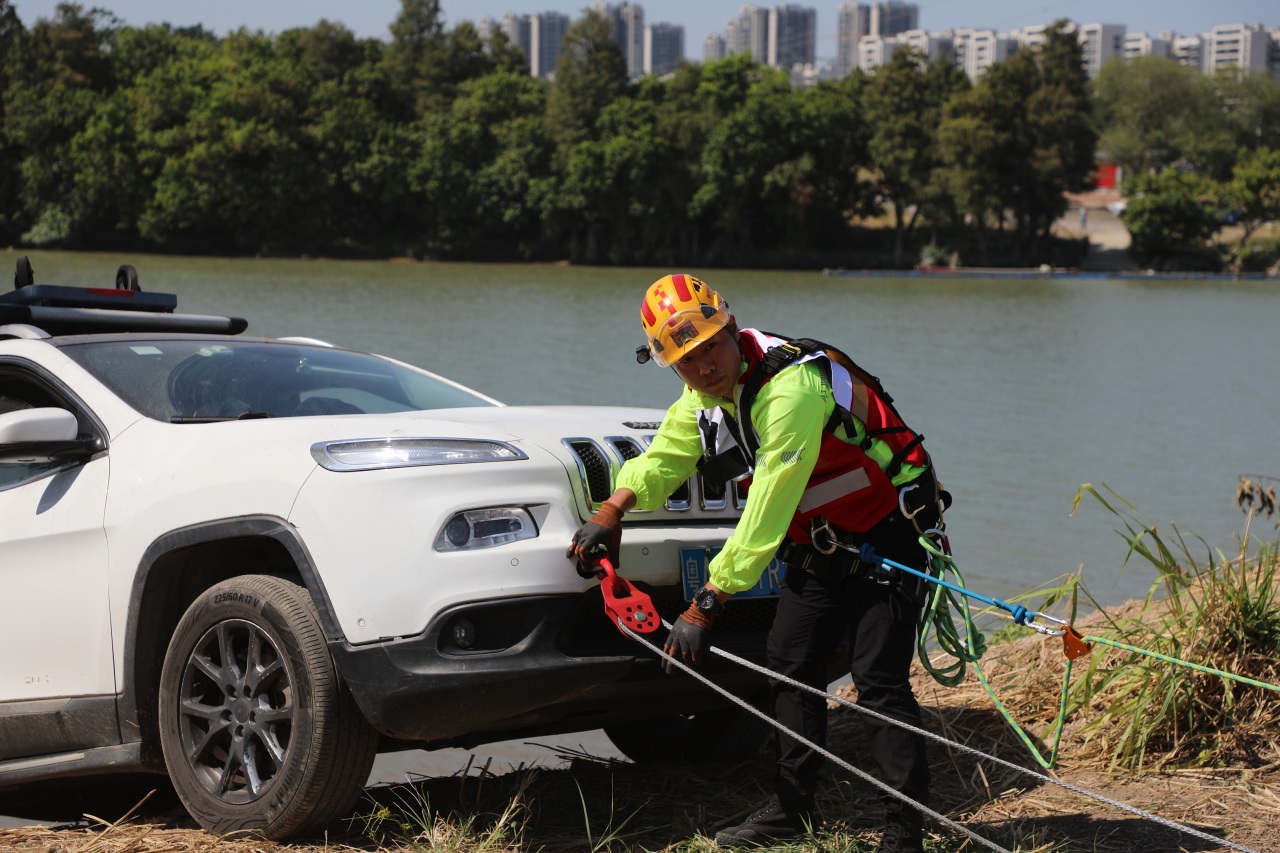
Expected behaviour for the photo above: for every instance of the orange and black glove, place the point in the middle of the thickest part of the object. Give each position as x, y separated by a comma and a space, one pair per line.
689, 638
602, 533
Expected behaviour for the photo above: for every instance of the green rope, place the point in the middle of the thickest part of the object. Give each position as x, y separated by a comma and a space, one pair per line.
1179, 662
969, 648
938, 617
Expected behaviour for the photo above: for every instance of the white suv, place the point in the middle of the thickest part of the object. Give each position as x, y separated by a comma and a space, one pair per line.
252, 564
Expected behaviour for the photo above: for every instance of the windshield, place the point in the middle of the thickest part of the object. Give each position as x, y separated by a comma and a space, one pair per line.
199, 380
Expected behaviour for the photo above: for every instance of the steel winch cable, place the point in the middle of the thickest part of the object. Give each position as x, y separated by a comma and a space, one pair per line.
863, 775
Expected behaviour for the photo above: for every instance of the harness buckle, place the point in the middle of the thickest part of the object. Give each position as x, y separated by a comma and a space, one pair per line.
820, 533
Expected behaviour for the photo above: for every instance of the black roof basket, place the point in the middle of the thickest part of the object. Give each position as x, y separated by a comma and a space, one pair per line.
62, 310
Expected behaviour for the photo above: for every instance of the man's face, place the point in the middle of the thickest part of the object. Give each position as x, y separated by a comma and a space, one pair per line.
712, 367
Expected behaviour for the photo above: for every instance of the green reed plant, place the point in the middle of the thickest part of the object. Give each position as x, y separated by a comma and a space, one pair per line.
1203, 608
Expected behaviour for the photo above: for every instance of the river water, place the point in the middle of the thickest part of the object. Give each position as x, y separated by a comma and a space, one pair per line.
1164, 391
1024, 389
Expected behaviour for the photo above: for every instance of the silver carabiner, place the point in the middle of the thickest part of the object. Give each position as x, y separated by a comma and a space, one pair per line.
824, 528
902, 501
1045, 629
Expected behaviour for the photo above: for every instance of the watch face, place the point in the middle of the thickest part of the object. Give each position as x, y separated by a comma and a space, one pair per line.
706, 600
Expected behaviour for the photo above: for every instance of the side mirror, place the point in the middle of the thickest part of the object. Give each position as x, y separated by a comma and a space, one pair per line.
42, 435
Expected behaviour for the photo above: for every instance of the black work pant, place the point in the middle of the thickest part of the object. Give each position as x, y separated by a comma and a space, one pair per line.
818, 609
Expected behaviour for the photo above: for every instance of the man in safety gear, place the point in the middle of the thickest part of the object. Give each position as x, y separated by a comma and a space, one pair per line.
829, 464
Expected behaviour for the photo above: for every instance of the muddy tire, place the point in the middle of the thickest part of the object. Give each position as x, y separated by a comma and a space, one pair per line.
259, 733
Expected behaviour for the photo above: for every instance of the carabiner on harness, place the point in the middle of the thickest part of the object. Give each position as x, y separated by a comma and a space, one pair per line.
820, 531
902, 501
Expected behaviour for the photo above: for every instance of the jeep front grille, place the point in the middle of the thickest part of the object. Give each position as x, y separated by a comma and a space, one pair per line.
595, 469
599, 462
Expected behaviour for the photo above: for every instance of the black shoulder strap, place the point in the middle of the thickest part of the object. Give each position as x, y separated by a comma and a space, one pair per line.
784, 354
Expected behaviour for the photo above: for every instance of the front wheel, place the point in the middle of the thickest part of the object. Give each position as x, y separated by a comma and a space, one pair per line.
259, 733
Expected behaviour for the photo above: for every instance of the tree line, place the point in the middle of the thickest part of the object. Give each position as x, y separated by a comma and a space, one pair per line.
438, 143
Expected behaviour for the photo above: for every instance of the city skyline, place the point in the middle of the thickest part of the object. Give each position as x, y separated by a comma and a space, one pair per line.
373, 17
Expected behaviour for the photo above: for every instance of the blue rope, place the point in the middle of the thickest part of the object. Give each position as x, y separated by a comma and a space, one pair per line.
1020, 614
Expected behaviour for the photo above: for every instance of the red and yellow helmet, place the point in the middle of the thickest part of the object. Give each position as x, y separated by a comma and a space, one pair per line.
678, 313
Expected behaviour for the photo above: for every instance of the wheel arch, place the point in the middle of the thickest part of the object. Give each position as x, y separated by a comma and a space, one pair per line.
174, 571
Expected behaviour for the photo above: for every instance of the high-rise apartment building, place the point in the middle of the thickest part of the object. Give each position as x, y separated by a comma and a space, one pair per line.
748, 33
793, 36
546, 32
627, 23
978, 50
1240, 47
1099, 43
518, 30
1141, 44
893, 17
1188, 51
663, 48
874, 51
853, 22
713, 47
932, 45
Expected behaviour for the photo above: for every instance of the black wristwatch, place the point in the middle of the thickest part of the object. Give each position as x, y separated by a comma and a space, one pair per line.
707, 601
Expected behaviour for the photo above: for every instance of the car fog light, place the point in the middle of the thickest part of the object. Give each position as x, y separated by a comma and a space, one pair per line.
473, 529
464, 634
458, 531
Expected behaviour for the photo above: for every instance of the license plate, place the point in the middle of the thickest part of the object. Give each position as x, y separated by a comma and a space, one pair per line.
693, 571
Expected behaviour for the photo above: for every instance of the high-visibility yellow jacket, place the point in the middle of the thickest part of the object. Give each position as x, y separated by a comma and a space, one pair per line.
789, 415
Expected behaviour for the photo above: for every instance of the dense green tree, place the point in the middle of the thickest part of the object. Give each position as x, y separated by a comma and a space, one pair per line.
483, 173
903, 105
58, 71
1018, 140
613, 181
417, 39
1151, 111
590, 75
825, 179
361, 148
746, 168
1254, 190
1168, 219
1063, 140
673, 234
974, 146
10, 153
1248, 114
238, 174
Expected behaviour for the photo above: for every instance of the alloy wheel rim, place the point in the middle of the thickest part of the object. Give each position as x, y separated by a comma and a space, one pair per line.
236, 711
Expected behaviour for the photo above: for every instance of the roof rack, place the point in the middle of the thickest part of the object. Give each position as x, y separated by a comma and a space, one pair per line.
61, 310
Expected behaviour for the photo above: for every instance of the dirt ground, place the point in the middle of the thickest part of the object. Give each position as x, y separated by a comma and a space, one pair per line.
1108, 238
605, 805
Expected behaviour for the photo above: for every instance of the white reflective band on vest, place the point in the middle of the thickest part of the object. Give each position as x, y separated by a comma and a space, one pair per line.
841, 379
832, 490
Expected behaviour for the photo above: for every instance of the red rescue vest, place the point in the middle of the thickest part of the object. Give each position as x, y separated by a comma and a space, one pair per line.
848, 488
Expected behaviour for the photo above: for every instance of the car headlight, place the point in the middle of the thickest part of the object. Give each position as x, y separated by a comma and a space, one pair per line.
371, 454
472, 529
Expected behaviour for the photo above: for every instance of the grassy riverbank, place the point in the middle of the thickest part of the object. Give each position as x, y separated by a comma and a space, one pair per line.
1186, 745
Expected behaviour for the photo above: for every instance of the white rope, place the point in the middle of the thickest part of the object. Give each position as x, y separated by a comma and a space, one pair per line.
1204, 836
866, 777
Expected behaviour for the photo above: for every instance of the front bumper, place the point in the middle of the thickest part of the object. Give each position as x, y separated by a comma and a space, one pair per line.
540, 665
